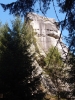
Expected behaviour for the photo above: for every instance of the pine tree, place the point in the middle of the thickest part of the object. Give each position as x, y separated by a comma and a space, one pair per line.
71, 71
55, 68
16, 65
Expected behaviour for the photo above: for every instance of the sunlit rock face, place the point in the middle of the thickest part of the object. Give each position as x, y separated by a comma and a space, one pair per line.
47, 33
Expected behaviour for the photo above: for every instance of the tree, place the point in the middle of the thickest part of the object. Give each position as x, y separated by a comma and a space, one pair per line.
55, 68
71, 71
16, 79
66, 6
21, 7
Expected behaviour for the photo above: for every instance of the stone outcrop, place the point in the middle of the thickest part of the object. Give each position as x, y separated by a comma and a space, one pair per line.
47, 33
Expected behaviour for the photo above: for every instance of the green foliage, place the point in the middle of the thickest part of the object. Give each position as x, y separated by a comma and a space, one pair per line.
54, 63
54, 68
28, 30
22, 7
30, 38
53, 57
16, 64
71, 71
41, 61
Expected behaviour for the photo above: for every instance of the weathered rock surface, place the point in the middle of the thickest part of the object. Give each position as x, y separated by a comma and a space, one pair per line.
47, 35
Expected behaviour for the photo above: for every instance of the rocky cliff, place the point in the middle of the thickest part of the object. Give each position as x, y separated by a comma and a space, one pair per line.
47, 35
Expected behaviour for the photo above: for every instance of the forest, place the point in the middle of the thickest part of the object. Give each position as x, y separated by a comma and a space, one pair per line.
16, 60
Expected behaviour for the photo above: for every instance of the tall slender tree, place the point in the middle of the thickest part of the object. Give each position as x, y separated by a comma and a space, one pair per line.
55, 68
16, 65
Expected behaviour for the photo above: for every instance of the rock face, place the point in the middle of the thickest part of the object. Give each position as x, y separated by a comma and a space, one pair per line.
47, 33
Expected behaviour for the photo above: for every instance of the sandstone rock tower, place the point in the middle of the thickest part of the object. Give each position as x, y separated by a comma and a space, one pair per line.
48, 33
